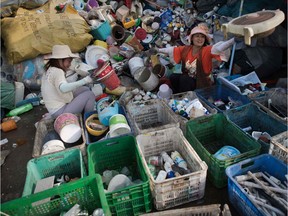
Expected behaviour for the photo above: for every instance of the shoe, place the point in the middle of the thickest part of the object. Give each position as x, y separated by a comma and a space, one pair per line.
118, 91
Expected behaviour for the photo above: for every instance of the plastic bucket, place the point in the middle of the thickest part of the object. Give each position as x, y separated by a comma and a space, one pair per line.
106, 110
118, 126
102, 32
68, 127
52, 146
118, 33
148, 80
134, 64
107, 76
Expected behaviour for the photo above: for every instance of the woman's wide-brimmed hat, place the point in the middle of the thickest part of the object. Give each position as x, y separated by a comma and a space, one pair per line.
62, 52
200, 30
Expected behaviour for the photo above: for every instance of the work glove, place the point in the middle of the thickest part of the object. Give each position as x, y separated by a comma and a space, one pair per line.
87, 80
221, 46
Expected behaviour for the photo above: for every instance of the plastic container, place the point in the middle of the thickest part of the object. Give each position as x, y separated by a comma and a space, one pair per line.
47, 126
69, 162
252, 116
19, 110
190, 95
262, 163
68, 127
221, 92
209, 134
92, 138
147, 80
178, 190
83, 192
116, 153
19, 92
152, 115
106, 109
279, 146
102, 32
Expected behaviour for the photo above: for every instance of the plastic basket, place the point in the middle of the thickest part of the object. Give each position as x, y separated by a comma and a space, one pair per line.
67, 162
191, 96
261, 100
262, 163
150, 116
59, 199
92, 139
114, 154
221, 92
211, 210
46, 126
178, 190
102, 32
252, 116
208, 134
278, 147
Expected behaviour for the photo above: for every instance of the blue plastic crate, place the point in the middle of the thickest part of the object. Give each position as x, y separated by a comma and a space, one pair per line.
91, 139
237, 195
252, 116
221, 92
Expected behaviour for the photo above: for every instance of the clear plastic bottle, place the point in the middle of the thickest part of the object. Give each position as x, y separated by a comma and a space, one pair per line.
168, 169
161, 176
178, 159
166, 157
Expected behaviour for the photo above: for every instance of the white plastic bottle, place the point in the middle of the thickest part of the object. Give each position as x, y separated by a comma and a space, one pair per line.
166, 158
178, 159
161, 176
168, 169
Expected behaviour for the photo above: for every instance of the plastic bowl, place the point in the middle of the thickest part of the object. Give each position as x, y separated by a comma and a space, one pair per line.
94, 119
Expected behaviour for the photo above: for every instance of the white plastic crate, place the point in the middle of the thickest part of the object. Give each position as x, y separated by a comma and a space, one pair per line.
150, 115
191, 96
178, 190
211, 210
46, 126
277, 147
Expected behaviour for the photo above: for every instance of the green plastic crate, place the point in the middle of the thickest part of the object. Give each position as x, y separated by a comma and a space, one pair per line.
84, 192
114, 154
208, 134
69, 162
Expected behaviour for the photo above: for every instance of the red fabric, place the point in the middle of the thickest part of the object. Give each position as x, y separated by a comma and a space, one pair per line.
206, 57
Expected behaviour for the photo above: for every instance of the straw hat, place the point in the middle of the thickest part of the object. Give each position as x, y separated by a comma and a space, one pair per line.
61, 52
201, 30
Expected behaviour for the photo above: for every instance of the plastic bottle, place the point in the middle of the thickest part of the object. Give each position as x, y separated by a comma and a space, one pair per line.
177, 158
168, 169
179, 170
166, 158
161, 176
19, 110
